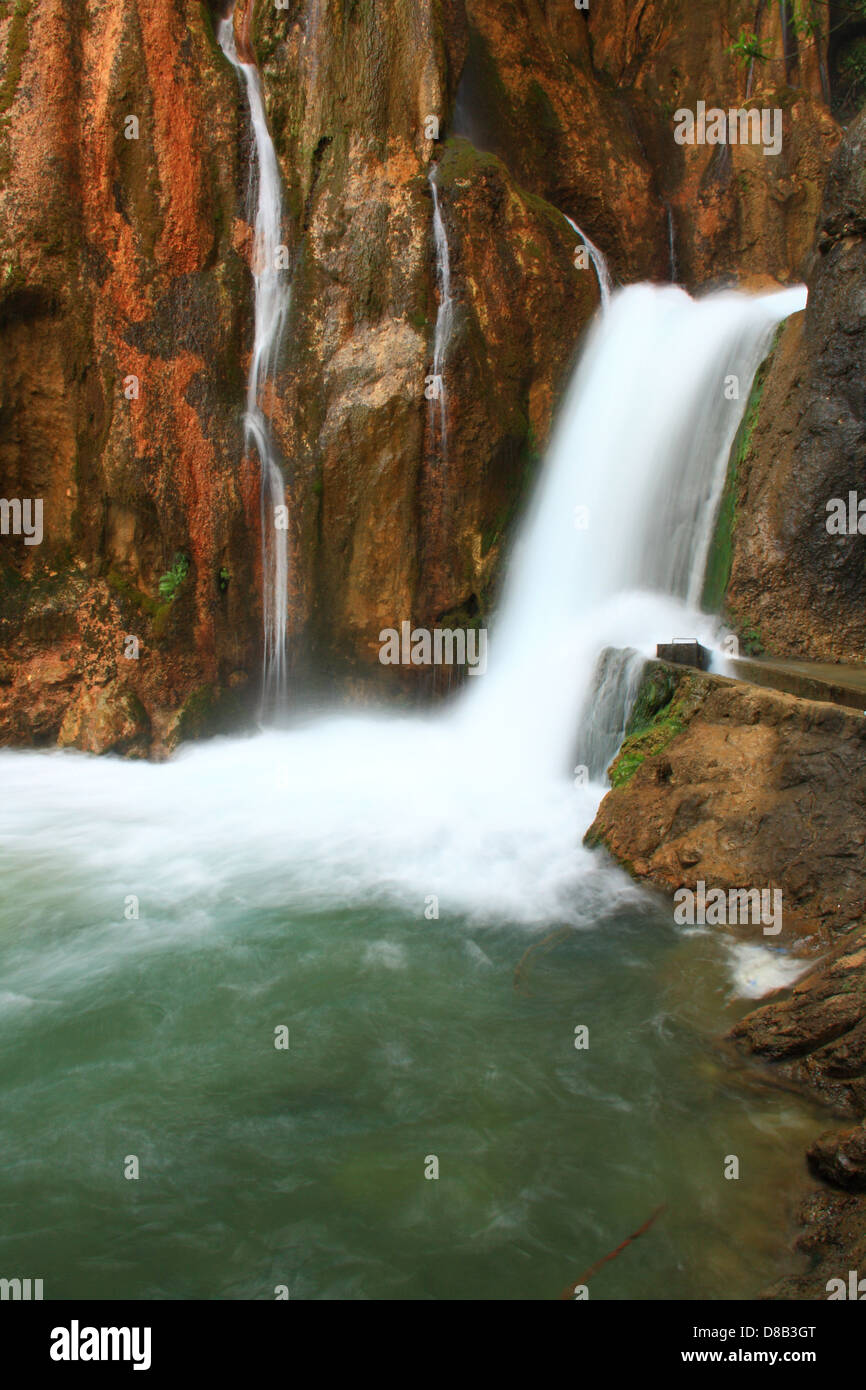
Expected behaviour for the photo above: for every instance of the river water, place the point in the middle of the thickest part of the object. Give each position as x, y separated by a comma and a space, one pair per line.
272, 894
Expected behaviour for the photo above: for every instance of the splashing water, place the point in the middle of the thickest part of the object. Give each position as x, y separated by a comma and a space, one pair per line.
474, 803
272, 297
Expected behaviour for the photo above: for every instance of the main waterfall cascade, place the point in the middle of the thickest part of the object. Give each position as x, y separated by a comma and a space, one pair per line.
272, 297
614, 548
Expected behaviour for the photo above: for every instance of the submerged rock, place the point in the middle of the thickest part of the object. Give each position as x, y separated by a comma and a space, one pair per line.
840, 1158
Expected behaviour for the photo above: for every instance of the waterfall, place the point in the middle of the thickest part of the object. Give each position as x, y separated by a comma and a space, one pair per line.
672, 245
614, 546
272, 294
615, 685
444, 316
603, 275
474, 803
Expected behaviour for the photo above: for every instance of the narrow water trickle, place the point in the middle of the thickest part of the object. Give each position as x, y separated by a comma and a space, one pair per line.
672, 245
605, 280
444, 321
272, 298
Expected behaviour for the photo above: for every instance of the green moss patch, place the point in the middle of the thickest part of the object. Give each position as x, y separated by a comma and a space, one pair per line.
663, 708
17, 43
210, 710
139, 601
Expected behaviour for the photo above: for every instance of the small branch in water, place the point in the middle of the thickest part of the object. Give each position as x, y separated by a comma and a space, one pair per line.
593, 1269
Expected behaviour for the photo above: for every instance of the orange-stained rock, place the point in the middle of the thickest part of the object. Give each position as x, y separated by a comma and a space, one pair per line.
734, 210
118, 261
106, 719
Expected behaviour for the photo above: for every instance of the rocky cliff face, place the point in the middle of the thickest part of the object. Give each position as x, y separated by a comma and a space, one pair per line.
123, 302
125, 252
801, 587
742, 787
734, 210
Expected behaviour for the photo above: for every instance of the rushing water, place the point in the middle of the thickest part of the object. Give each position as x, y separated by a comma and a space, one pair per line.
272, 294
409, 897
613, 549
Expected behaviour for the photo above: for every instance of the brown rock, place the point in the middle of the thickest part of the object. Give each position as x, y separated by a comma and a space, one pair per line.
749, 788
832, 1243
117, 259
106, 720
839, 1158
735, 211
801, 587
817, 1036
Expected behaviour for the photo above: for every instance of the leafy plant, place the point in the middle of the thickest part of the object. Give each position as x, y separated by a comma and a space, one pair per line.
852, 68
751, 641
747, 48
223, 578
173, 578
805, 25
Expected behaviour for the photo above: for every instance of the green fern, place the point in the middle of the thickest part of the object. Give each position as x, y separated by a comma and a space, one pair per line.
747, 48
173, 578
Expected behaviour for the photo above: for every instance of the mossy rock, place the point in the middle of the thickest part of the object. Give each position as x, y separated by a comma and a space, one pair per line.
663, 708
18, 41
210, 710
657, 689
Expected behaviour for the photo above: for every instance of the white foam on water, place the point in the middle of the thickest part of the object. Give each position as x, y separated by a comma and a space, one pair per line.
756, 970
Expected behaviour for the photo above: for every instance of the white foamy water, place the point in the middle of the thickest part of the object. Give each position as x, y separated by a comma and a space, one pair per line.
614, 547
394, 895
756, 970
473, 805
